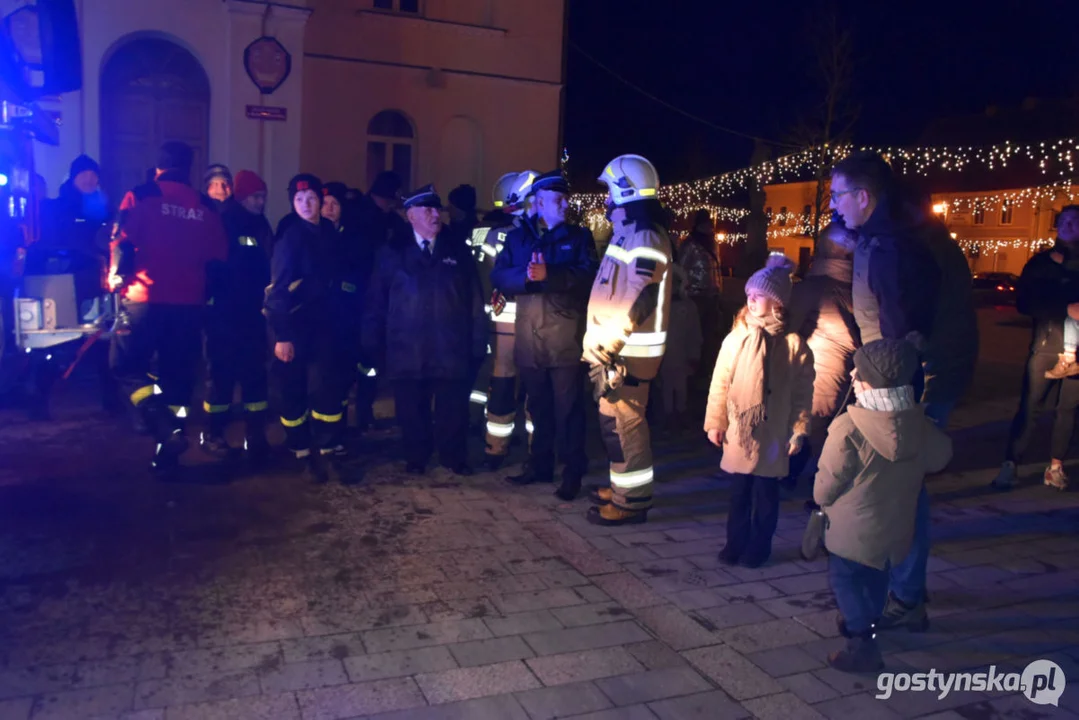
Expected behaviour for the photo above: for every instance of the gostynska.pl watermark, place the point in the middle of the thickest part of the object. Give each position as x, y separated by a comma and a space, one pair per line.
1041, 682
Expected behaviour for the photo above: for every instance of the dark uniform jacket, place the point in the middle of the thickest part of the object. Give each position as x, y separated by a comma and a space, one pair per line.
1044, 291
305, 281
247, 273
424, 316
550, 314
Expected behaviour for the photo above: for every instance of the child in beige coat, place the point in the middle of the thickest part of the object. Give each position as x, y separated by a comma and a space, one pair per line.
759, 406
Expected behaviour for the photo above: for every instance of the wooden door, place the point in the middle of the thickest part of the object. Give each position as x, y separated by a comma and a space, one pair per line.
152, 91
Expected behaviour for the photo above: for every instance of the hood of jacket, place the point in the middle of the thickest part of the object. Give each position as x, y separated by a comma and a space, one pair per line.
896, 435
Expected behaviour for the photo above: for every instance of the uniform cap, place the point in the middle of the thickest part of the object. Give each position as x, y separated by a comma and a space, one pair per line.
423, 197
554, 181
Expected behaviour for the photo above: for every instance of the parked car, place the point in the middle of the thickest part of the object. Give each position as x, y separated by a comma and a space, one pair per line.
994, 288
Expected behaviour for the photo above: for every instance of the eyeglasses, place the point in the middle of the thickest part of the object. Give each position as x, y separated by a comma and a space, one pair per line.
836, 195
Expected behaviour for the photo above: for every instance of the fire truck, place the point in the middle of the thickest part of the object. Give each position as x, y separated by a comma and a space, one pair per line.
46, 328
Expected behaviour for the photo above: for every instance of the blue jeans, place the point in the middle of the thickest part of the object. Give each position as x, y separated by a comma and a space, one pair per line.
907, 579
860, 592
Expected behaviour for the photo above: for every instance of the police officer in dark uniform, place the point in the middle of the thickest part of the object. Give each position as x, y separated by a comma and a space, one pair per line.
551, 277
168, 252
301, 303
236, 327
425, 329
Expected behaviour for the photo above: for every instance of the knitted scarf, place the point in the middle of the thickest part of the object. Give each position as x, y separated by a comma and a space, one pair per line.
749, 377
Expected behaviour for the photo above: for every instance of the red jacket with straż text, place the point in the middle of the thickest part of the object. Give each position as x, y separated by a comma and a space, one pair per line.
174, 237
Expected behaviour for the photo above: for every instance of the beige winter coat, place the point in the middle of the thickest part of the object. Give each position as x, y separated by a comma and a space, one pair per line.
871, 471
788, 405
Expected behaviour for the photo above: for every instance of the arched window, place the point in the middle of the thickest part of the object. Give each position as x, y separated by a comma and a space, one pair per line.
390, 141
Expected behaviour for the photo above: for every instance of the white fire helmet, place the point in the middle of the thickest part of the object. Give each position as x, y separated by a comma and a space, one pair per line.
503, 189
630, 178
522, 189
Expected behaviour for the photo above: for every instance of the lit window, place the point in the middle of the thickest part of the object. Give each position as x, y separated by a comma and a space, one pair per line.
979, 216
1005, 215
390, 142
783, 216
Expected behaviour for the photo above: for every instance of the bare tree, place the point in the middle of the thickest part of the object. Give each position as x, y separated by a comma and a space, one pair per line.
829, 123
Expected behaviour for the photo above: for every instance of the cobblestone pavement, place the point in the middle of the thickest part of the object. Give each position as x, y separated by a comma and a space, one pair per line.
464, 598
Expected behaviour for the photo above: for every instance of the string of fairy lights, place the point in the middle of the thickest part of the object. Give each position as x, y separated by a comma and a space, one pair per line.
1055, 157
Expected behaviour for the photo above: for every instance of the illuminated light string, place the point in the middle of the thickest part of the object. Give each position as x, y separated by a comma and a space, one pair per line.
1065, 190
968, 244
1059, 155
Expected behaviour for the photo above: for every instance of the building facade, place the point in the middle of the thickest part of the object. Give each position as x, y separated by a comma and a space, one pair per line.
444, 91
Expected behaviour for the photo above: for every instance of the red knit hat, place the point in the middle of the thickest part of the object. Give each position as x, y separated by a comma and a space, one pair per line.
246, 184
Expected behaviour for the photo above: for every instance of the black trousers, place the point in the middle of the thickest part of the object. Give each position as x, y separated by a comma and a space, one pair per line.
1039, 393
314, 390
556, 404
156, 363
236, 350
446, 428
753, 516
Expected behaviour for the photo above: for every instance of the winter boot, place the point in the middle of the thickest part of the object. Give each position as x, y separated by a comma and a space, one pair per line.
491, 463
600, 495
1066, 367
898, 614
613, 516
167, 453
570, 487
1055, 478
860, 656
326, 467
729, 556
1006, 479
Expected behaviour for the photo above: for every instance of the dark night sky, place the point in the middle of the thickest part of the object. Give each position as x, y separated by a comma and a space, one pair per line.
744, 65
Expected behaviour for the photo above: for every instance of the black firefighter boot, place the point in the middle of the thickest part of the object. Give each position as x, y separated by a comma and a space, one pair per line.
326, 466
256, 446
167, 431
212, 440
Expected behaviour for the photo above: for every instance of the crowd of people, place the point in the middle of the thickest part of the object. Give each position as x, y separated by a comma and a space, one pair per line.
354, 289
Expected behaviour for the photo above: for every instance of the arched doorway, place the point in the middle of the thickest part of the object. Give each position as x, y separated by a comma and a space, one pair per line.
152, 91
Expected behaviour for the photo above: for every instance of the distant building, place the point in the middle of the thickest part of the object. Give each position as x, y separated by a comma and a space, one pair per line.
449, 91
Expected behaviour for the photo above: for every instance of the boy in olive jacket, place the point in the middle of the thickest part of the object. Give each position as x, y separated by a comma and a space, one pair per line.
871, 471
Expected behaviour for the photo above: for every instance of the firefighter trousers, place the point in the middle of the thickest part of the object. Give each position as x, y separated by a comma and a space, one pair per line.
236, 354
501, 395
447, 426
157, 361
556, 403
313, 394
629, 446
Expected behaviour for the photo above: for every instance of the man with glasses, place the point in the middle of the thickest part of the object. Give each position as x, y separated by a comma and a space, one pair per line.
911, 281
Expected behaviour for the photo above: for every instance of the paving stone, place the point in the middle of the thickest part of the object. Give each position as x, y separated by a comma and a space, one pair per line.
682, 549
793, 605
277, 707
583, 666
766, 635
146, 715
591, 594
708, 561
635, 712
655, 655
740, 678
628, 591
592, 614
31, 680
224, 660
799, 584
766, 572
496, 707
858, 706
563, 700
327, 647
104, 700
467, 683
784, 661
784, 706
822, 623
303, 676
443, 633
734, 615
808, 687
586, 638
846, 683
646, 538
489, 652
193, 689
564, 578
462, 609
697, 599
653, 685
399, 663
677, 629
543, 599
16, 709
351, 701
705, 706
526, 622
747, 592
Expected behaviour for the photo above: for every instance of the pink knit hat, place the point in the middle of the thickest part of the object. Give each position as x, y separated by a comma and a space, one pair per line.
773, 280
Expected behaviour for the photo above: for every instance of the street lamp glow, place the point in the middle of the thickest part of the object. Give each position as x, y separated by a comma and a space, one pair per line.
940, 208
